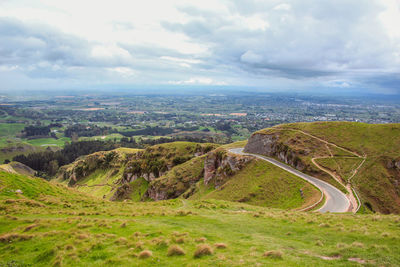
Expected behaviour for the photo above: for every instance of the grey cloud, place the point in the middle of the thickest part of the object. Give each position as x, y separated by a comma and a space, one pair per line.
306, 39
30, 43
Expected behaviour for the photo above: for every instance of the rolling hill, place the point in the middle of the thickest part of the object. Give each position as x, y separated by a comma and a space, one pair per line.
359, 156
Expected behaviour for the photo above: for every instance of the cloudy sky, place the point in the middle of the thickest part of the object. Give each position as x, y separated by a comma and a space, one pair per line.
272, 44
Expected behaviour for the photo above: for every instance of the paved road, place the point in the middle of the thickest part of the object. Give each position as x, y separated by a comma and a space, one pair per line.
335, 200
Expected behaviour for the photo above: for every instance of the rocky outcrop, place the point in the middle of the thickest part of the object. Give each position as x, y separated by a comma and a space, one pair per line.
220, 165
270, 145
157, 193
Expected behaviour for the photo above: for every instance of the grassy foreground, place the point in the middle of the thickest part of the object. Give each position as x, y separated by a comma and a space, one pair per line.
51, 225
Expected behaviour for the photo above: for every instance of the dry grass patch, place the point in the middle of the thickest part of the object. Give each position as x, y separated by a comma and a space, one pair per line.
175, 250
202, 250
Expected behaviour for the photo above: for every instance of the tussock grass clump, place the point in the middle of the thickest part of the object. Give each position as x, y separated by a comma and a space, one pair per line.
273, 254
145, 254
121, 241
7, 238
83, 226
325, 225
175, 250
82, 236
136, 234
202, 250
69, 247
357, 244
220, 245
180, 240
30, 227
139, 244
384, 234
201, 240
58, 261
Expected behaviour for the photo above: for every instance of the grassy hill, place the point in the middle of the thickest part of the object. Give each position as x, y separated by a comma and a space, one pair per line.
52, 225
363, 155
263, 184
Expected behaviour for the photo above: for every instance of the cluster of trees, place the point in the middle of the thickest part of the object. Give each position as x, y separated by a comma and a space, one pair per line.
46, 163
87, 130
149, 131
31, 130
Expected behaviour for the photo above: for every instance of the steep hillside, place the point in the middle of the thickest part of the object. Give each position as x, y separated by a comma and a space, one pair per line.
188, 171
116, 174
42, 224
364, 156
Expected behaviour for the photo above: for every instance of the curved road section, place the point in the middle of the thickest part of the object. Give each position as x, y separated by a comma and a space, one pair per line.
335, 200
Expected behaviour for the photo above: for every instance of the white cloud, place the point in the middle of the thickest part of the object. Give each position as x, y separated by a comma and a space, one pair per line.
198, 81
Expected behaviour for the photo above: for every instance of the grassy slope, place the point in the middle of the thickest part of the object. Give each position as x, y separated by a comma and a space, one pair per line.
378, 142
69, 229
360, 137
263, 184
342, 166
260, 183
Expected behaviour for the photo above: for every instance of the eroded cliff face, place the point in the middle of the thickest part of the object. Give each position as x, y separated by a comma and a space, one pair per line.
270, 145
216, 167
220, 165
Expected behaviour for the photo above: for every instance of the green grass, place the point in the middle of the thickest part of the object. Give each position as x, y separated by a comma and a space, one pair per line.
10, 129
344, 167
52, 225
263, 184
45, 142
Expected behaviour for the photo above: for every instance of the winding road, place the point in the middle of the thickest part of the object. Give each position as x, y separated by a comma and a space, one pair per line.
335, 200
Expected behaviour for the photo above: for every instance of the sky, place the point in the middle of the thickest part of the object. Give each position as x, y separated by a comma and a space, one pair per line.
276, 45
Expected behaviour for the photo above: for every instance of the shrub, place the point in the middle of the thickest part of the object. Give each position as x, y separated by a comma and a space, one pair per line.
202, 250
175, 250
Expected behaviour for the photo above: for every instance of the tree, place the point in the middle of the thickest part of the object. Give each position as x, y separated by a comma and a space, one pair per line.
52, 167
